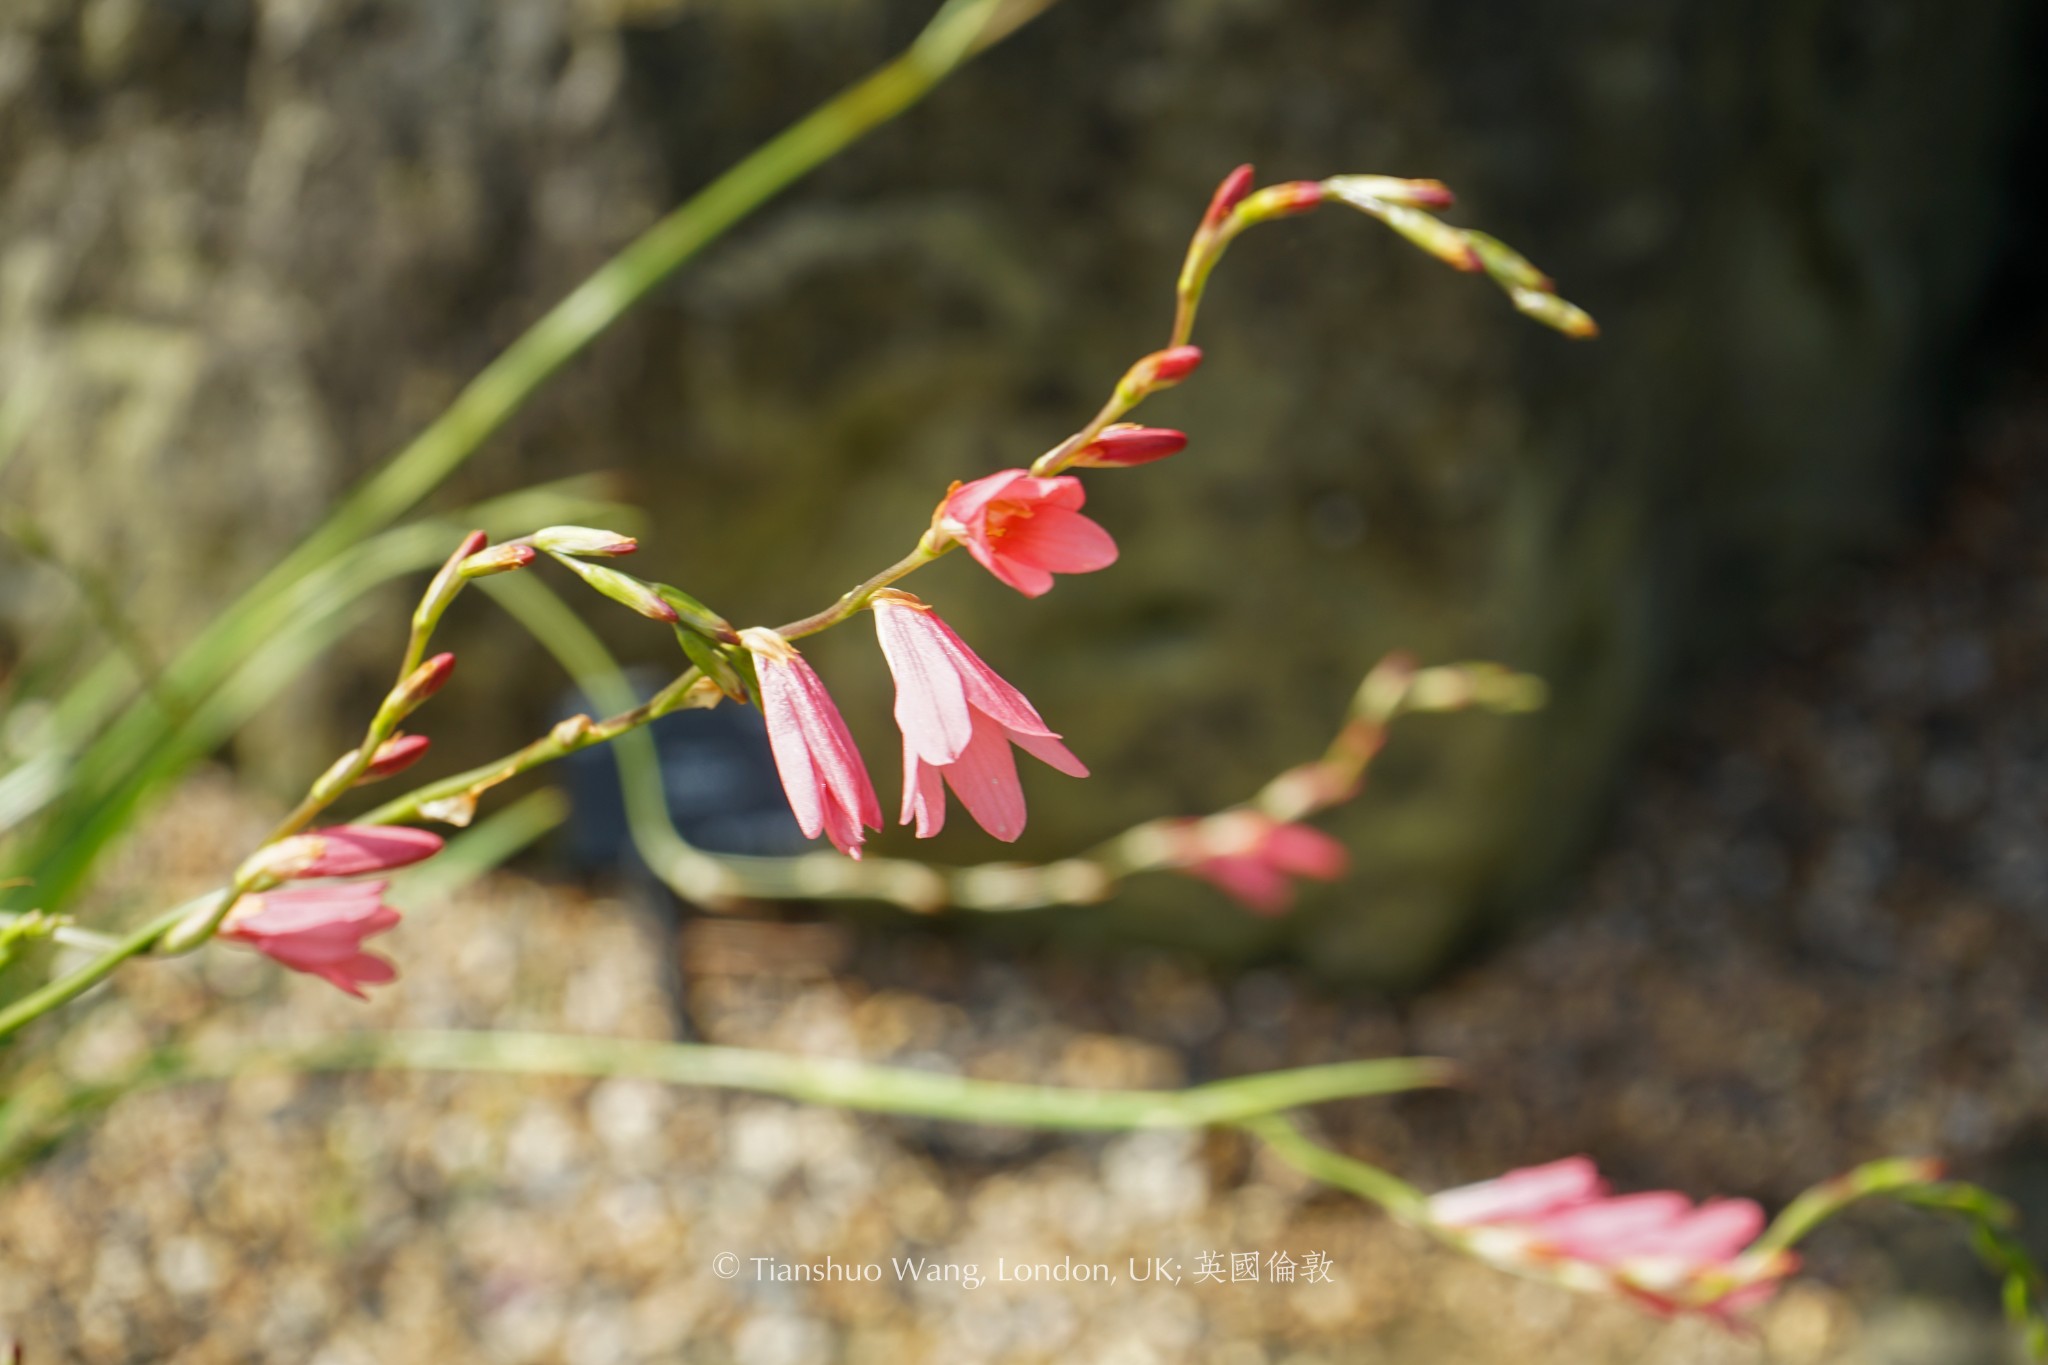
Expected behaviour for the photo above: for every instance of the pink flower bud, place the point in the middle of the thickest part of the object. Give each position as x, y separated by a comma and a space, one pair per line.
425, 681
1162, 369
1285, 200
350, 850
498, 559
1126, 443
1251, 856
471, 543
1234, 188
1388, 189
393, 756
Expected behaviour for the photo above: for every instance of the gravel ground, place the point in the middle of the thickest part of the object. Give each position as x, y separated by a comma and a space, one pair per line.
1816, 936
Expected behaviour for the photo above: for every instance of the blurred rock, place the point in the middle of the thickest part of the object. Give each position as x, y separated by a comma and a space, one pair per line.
249, 248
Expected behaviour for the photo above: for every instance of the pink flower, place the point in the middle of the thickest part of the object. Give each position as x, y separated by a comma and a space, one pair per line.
821, 771
959, 719
1024, 529
351, 850
319, 930
1657, 1247
1250, 856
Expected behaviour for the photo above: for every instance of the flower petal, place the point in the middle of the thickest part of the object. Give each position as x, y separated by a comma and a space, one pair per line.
984, 777
1048, 750
931, 705
1521, 1195
1060, 540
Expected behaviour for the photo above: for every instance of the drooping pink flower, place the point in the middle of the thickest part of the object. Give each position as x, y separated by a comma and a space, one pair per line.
959, 719
821, 770
1024, 529
318, 930
1252, 856
1658, 1246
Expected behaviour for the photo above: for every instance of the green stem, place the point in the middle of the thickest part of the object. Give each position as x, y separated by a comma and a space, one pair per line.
1389, 1191
844, 1084
65, 989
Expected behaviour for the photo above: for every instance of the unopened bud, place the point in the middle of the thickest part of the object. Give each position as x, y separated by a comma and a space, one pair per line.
1126, 443
621, 588
1161, 370
1282, 201
447, 582
498, 559
423, 682
1228, 194
1552, 311
583, 540
712, 663
697, 616
1448, 244
393, 756
1388, 189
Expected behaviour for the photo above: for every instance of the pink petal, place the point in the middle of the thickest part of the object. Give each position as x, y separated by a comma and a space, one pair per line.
984, 777
1611, 1229
931, 706
800, 781
832, 749
1029, 579
1060, 540
968, 504
1247, 880
986, 690
1047, 749
1715, 1232
924, 794
1521, 1195
354, 850
364, 969
1305, 852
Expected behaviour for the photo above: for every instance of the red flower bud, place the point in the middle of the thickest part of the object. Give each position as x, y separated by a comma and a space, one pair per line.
1234, 188
1126, 443
1162, 369
394, 755
471, 543
426, 680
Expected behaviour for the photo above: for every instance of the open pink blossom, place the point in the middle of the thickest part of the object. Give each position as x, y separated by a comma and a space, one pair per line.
1024, 529
1657, 1247
1252, 857
318, 930
821, 770
959, 719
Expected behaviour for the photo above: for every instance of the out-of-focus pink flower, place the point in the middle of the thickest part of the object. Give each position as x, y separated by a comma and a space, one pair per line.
959, 719
821, 770
1253, 856
1024, 529
1658, 1247
1123, 444
319, 930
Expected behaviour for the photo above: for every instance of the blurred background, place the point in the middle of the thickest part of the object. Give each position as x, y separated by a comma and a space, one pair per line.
1762, 893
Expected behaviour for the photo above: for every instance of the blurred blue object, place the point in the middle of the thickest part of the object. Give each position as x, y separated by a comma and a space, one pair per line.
719, 777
